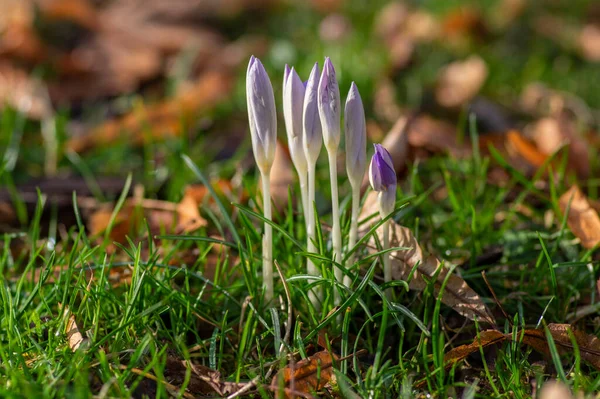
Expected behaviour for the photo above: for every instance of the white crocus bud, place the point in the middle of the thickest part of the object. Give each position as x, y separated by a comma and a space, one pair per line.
261, 114
329, 106
312, 136
356, 137
293, 104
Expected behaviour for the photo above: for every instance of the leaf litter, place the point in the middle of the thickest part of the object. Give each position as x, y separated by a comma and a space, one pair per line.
562, 334
113, 34
413, 263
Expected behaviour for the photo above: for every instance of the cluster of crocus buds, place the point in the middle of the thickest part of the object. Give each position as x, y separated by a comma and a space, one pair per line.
312, 113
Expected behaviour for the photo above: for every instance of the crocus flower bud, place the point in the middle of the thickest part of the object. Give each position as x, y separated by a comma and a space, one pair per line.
311, 124
356, 136
293, 103
286, 72
329, 106
383, 179
261, 114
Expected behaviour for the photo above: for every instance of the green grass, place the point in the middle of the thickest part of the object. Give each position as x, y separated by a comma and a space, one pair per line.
142, 310
168, 308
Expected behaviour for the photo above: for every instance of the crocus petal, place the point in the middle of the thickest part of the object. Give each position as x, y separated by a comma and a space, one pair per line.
388, 174
311, 124
286, 73
381, 170
375, 175
356, 136
293, 103
329, 106
261, 114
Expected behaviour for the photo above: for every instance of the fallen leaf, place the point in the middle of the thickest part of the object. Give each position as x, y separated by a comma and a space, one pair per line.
589, 42
110, 49
23, 92
582, 219
555, 390
436, 136
162, 216
589, 345
519, 151
283, 175
506, 12
334, 28
462, 21
386, 104
422, 26
519, 145
485, 338
165, 119
74, 337
401, 29
457, 294
552, 133
307, 376
460, 81
390, 20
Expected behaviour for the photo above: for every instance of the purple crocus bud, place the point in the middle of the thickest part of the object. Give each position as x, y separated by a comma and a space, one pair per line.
293, 103
312, 137
383, 179
286, 72
261, 114
356, 136
329, 106
381, 171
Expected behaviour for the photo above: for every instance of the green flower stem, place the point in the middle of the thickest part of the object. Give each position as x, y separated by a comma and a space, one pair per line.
267, 238
353, 228
314, 294
335, 210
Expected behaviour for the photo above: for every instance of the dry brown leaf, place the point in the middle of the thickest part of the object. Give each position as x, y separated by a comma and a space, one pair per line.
334, 28
506, 12
282, 176
162, 216
109, 50
486, 338
391, 19
436, 136
457, 294
24, 93
552, 133
462, 21
163, 119
79, 12
402, 29
460, 81
386, 104
589, 345
519, 145
589, 42
74, 336
555, 390
582, 219
520, 152
422, 26
306, 376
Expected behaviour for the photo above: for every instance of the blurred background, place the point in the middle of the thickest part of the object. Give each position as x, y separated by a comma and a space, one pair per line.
91, 90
